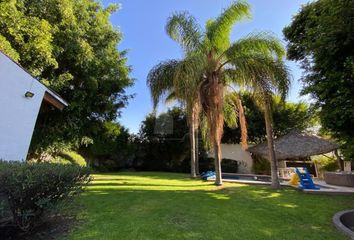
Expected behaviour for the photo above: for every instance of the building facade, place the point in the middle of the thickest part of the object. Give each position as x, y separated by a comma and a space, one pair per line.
21, 96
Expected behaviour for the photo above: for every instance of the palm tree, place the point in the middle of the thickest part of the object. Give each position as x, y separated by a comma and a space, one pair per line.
264, 86
177, 80
216, 63
162, 81
212, 63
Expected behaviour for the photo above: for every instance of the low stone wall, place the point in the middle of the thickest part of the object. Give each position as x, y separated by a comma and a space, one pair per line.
339, 178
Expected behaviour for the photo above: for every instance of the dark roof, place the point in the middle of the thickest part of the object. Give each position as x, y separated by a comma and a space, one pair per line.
295, 145
60, 102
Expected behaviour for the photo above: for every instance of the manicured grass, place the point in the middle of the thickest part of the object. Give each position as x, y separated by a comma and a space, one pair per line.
142, 205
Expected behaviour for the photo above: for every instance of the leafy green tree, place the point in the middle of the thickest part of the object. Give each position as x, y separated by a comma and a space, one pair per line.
212, 63
265, 85
70, 46
321, 38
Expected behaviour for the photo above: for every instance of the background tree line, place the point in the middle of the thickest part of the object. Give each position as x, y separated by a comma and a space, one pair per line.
163, 143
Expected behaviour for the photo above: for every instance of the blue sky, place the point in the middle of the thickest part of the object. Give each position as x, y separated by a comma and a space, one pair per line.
142, 23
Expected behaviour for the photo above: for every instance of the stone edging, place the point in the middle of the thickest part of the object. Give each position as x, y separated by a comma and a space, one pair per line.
340, 226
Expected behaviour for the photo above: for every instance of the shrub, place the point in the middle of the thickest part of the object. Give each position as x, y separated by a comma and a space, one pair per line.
326, 163
32, 188
62, 157
260, 165
71, 157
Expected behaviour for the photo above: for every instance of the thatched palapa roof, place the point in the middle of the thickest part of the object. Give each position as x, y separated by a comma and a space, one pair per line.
295, 145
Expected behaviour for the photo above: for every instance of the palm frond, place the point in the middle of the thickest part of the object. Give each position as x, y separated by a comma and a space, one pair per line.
264, 76
171, 98
187, 78
160, 79
257, 43
183, 28
219, 31
261, 73
230, 111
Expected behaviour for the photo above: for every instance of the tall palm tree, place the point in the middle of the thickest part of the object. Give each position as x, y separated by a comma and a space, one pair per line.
264, 86
163, 83
176, 78
212, 63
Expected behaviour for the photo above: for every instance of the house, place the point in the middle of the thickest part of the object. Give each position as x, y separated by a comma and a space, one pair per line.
21, 96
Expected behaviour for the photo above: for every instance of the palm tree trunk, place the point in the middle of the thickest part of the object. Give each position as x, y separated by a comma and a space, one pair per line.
339, 160
192, 142
217, 159
270, 141
196, 137
211, 95
243, 124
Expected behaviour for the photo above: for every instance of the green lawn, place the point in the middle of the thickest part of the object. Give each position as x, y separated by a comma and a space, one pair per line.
141, 205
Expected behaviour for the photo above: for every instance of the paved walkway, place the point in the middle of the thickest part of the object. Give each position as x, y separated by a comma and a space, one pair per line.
324, 187
330, 189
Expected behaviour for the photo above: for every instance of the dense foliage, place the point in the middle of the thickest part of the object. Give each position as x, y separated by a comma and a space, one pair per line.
33, 188
163, 142
70, 46
111, 148
61, 157
321, 38
287, 116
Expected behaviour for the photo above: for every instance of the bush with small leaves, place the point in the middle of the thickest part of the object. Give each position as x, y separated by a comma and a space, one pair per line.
33, 188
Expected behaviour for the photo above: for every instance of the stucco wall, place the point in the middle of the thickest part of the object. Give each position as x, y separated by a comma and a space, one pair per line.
235, 151
18, 114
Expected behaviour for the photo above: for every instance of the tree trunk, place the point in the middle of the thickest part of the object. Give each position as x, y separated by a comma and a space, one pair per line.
243, 124
196, 137
192, 142
211, 95
217, 159
339, 160
270, 141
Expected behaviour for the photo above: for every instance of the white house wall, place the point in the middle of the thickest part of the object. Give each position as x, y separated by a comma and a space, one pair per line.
235, 152
18, 114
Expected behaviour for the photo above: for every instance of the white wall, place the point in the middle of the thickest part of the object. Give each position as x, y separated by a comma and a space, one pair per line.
18, 114
235, 151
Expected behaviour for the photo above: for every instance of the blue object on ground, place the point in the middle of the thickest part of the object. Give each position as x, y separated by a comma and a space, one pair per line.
207, 175
306, 180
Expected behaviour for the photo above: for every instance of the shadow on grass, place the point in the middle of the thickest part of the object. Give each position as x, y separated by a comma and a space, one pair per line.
192, 209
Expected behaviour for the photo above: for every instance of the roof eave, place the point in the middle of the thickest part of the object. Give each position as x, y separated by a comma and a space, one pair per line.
55, 100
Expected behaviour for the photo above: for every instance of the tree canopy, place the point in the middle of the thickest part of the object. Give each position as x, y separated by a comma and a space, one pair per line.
321, 38
70, 46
